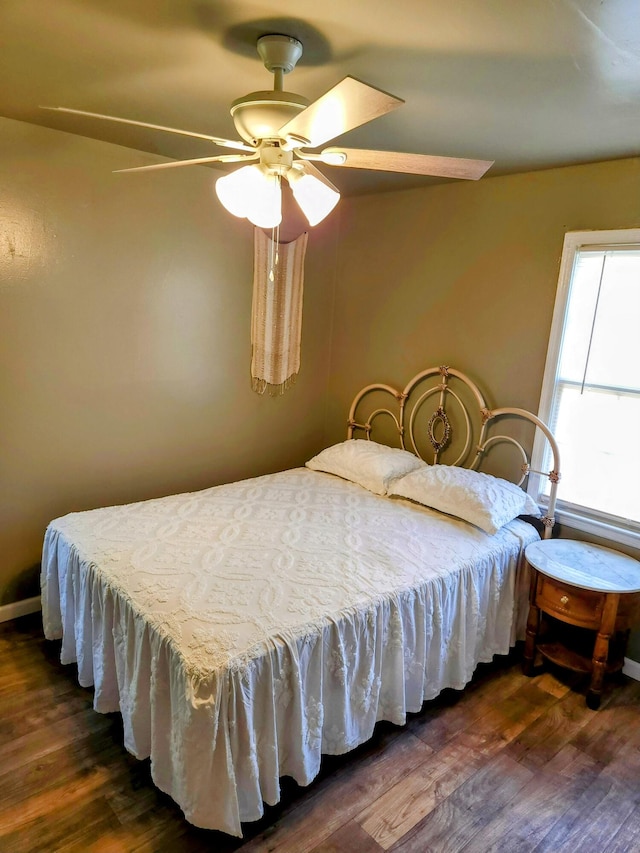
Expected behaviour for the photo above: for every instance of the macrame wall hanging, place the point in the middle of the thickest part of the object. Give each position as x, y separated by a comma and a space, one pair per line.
276, 314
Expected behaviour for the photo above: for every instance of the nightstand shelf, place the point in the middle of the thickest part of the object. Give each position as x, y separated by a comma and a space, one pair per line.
560, 655
590, 598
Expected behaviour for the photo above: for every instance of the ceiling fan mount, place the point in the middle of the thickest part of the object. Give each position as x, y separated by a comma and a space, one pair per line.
260, 115
279, 52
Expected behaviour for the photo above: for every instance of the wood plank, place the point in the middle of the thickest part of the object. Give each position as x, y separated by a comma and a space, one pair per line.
549, 682
349, 837
541, 803
46, 707
446, 716
405, 804
538, 743
420, 792
70, 831
591, 821
47, 773
504, 721
338, 800
602, 740
64, 732
623, 766
627, 838
459, 817
46, 822
155, 833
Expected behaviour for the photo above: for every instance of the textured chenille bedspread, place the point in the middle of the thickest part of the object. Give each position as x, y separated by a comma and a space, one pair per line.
244, 630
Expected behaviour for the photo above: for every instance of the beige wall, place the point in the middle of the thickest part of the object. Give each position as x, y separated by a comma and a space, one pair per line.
465, 274
125, 308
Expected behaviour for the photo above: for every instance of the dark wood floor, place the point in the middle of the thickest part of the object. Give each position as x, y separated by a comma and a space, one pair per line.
511, 764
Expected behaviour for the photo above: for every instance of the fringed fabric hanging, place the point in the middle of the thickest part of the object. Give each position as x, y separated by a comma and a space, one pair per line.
276, 314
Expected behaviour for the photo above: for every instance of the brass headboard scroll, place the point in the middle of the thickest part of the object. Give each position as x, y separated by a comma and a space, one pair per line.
441, 415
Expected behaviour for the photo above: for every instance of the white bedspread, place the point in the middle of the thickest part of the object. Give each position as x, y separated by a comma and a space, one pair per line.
244, 630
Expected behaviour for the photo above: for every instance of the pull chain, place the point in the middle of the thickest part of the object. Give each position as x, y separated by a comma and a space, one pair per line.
274, 250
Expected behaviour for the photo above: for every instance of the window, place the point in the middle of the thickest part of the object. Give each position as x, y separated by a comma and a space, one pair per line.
591, 388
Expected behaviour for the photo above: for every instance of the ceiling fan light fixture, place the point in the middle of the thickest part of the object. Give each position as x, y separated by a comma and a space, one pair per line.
252, 193
315, 198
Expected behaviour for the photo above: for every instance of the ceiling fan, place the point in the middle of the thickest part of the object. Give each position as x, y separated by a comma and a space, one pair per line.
279, 127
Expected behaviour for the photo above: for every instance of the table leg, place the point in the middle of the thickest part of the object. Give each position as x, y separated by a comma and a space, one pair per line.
533, 626
601, 650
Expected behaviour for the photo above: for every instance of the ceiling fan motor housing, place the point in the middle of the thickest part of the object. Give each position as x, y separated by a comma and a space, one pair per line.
260, 115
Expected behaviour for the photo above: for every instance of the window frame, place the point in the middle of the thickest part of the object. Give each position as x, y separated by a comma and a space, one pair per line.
571, 515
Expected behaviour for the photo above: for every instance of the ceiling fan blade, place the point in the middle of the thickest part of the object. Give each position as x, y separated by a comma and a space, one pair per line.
413, 164
309, 169
347, 105
222, 158
224, 143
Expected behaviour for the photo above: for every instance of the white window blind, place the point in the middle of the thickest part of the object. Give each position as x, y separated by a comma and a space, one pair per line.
591, 390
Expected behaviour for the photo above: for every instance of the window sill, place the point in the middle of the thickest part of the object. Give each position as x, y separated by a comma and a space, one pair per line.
603, 530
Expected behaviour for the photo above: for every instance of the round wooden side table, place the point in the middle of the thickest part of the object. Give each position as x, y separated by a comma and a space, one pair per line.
589, 587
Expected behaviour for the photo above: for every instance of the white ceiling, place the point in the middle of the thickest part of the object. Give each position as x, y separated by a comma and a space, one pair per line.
530, 84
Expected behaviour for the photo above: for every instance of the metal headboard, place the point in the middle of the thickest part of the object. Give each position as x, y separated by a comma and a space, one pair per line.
467, 440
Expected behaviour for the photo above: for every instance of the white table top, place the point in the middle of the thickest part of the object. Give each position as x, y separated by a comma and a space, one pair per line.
585, 565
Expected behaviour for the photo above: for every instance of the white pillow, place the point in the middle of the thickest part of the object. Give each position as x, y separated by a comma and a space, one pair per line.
367, 463
483, 500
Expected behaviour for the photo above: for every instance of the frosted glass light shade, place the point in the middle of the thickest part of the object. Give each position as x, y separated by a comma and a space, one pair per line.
265, 208
316, 199
252, 193
234, 190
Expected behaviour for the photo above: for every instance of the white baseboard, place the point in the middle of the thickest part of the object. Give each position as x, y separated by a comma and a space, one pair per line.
631, 668
22, 608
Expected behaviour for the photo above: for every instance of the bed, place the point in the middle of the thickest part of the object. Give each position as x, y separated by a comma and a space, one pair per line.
245, 630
